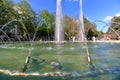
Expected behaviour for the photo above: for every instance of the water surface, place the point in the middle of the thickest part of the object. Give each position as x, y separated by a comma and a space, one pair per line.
71, 56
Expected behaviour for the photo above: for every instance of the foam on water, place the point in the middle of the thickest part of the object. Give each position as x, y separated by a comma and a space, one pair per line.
72, 48
95, 46
49, 48
96, 72
17, 73
15, 47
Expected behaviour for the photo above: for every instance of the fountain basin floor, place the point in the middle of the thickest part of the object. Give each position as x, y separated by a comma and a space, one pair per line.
72, 57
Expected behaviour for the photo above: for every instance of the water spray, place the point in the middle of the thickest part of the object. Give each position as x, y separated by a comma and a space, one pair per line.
83, 38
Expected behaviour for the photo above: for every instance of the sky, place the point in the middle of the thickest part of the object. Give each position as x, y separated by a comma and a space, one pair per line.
102, 10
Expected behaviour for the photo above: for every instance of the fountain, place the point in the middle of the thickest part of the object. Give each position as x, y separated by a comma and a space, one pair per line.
112, 29
59, 31
82, 32
68, 61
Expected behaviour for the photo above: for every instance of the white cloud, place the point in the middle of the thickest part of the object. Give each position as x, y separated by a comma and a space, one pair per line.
108, 18
118, 14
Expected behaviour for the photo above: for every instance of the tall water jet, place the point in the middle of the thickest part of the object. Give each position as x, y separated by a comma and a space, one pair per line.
83, 38
59, 32
82, 32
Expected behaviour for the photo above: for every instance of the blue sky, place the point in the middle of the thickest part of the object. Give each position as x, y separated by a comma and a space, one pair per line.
92, 9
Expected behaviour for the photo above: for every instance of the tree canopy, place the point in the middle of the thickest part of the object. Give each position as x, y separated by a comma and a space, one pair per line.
26, 20
115, 27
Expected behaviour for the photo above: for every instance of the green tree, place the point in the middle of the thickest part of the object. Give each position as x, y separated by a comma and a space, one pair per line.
71, 27
115, 26
46, 30
7, 12
90, 29
27, 17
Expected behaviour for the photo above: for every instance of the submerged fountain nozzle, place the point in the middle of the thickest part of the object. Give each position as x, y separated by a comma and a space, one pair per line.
26, 63
24, 68
27, 60
91, 66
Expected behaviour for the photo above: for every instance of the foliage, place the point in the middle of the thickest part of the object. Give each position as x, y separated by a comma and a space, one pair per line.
46, 30
115, 26
27, 16
72, 28
27, 21
7, 12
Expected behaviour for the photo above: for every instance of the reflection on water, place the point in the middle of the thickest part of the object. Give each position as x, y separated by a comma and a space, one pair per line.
71, 56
